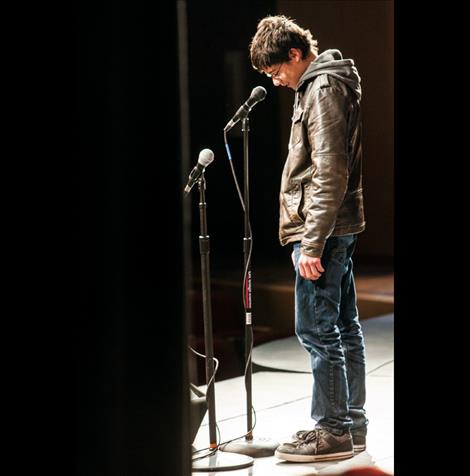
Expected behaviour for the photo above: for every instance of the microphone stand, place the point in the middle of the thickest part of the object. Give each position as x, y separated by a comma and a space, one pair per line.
216, 461
256, 447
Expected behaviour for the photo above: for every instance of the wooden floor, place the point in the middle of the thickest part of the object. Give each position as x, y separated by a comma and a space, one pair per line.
378, 287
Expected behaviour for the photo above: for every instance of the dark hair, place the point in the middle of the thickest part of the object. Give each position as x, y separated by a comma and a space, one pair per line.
275, 36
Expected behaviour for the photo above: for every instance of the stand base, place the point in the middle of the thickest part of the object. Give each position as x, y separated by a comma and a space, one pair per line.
257, 447
222, 462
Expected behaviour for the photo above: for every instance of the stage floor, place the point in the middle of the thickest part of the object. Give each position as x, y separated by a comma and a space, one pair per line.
281, 397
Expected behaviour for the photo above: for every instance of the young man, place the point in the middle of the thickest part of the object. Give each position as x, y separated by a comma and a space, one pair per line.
321, 213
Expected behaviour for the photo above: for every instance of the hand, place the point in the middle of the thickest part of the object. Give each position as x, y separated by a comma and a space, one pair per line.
310, 268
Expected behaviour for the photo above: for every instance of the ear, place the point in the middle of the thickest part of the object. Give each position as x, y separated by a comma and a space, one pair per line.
295, 54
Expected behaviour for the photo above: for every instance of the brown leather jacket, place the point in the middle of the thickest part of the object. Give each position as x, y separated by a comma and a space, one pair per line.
321, 186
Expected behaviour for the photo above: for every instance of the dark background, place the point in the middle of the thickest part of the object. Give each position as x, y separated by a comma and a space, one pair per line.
129, 337
138, 133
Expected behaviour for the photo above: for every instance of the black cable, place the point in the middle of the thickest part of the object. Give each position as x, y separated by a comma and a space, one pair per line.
211, 382
227, 148
246, 434
219, 443
215, 368
211, 450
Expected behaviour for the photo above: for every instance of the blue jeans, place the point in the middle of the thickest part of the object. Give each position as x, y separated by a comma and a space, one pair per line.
327, 325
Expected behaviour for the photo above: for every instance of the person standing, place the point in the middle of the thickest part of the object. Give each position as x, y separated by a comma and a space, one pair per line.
321, 214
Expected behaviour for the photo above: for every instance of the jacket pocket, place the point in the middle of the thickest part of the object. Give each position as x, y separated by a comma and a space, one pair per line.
305, 188
296, 200
296, 128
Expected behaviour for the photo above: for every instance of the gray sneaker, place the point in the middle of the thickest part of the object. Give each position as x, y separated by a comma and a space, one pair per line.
317, 445
358, 437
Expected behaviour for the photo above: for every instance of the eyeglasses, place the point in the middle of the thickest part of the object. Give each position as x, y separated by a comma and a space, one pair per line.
276, 74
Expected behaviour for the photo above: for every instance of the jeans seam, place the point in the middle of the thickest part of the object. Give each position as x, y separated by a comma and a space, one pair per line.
331, 378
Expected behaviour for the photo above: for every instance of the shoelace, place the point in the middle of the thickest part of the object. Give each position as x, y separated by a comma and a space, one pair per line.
309, 436
301, 434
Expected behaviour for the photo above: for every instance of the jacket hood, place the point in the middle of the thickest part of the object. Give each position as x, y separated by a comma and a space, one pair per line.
331, 62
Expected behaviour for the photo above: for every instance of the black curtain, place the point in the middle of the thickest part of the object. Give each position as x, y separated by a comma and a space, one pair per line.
131, 383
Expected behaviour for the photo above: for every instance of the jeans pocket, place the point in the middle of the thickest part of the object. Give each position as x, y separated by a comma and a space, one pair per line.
339, 255
296, 250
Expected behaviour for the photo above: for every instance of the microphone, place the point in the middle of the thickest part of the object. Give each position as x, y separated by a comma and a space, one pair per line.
206, 156
257, 95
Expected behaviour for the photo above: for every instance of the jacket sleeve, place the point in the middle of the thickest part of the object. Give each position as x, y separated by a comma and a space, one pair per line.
327, 123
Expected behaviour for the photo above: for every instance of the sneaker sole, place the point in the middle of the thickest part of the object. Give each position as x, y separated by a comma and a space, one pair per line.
313, 458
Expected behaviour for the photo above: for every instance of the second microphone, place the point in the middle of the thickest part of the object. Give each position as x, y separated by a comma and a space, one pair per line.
257, 95
206, 156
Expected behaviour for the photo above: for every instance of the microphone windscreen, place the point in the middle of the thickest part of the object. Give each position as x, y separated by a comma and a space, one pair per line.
258, 93
206, 156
